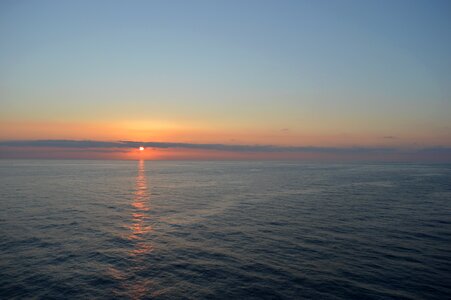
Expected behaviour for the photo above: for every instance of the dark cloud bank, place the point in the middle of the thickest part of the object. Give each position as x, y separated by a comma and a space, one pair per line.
219, 147
84, 144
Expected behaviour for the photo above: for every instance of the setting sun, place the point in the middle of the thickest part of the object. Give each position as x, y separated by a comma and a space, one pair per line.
141, 148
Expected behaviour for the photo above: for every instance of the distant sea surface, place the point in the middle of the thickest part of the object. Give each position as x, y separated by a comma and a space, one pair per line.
224, 230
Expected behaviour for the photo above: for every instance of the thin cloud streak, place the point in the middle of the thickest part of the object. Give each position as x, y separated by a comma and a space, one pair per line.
81, 144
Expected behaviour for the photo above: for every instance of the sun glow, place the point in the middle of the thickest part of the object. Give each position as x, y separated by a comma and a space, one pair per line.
141, 148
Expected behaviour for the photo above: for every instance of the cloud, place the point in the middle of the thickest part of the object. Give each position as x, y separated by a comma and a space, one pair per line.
165, 145
389, 137
113, 149
61, 144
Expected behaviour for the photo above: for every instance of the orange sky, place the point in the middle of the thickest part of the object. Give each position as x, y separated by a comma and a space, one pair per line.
172, 132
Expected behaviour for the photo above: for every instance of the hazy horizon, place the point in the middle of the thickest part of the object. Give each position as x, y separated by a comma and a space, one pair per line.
130, 150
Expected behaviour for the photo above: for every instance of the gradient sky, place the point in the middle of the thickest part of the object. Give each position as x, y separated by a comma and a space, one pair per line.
336, 74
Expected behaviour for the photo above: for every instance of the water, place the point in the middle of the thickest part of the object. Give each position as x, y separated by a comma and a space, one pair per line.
224, 230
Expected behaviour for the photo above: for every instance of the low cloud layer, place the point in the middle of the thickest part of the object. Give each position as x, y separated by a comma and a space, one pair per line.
89, 149
82, 144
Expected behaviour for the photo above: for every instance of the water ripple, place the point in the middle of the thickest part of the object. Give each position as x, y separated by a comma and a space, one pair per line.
248, 230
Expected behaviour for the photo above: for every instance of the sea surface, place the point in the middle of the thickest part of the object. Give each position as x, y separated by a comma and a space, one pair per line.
224, 230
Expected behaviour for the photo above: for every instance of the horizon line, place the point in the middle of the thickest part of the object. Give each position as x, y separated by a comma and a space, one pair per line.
264, 148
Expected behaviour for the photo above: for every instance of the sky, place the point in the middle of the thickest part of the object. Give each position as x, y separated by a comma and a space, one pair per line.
352, 80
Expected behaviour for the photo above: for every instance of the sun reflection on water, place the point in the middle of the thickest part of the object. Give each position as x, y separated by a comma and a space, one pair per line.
140, 218
139, 231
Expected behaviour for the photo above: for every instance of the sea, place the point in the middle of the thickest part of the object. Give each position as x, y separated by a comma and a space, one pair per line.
75, 229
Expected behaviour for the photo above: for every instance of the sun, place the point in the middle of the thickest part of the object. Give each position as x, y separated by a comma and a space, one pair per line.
141, 148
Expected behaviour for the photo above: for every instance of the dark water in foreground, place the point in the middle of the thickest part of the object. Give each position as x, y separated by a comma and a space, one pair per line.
247, 230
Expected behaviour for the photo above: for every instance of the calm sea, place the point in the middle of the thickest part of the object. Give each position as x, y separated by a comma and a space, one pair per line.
224, 230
